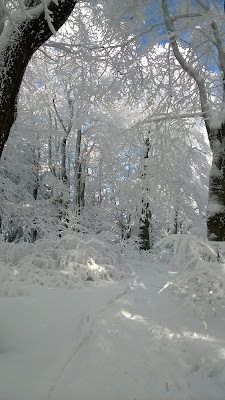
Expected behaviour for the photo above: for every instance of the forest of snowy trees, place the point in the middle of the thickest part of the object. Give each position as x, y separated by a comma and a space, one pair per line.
117, 121
112, 199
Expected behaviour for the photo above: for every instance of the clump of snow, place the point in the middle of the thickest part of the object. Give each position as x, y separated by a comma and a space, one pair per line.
200, 270
64, 262
215, 208
8, 284
215, 123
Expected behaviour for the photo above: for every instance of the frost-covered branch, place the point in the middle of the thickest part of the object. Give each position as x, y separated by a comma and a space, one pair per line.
58, 116
217, 43
187, 67
171, 116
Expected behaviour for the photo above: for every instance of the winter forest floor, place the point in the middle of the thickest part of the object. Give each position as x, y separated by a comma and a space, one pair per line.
119, 340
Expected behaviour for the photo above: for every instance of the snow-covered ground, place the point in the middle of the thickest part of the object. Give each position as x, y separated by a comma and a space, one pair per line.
118, 340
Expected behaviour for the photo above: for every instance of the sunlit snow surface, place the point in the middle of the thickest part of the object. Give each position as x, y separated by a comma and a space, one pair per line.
111, 341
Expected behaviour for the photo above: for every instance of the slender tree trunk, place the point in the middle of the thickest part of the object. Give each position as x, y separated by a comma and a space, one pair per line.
78, 173
67, 131
63, 174
145, 226
175, 225
82, 184
35, 191
18, 43
51, 163
100, 181
63, 161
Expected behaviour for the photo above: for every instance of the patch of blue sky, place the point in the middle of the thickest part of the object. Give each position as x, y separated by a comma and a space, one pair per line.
209, 3
152, 18
40, 83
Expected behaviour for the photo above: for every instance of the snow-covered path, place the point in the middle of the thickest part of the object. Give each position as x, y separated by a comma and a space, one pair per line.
118, 341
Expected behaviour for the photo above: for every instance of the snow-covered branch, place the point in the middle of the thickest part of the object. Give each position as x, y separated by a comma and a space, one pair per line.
171, 116
187, 67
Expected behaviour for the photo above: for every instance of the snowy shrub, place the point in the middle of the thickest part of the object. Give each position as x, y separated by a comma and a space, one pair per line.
200, 274
185, 249
91, 260
66, 261
12, 253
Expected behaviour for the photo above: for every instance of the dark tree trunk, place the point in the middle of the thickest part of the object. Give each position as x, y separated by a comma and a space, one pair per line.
18, 45
63, 161
144, 230
145, 226
175, 225
216, 201
82, 186
79, 176
35, 190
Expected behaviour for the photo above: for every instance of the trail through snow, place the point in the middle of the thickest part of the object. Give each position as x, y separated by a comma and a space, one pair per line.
120, 341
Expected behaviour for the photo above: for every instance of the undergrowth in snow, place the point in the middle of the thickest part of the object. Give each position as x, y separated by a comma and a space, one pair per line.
200, 270
62, 262
197, 266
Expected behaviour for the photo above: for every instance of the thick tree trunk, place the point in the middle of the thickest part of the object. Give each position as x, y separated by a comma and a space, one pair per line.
216, 200
18, 43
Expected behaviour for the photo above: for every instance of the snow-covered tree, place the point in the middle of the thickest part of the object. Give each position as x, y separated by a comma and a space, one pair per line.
25, 26
201, 32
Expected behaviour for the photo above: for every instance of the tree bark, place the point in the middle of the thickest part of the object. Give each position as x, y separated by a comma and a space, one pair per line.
35, 189
64, 176
145, 224
145, 218
19, 41
216, 200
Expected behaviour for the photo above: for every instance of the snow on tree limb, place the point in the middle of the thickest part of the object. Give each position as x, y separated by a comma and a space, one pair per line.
188, 68
170, 116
